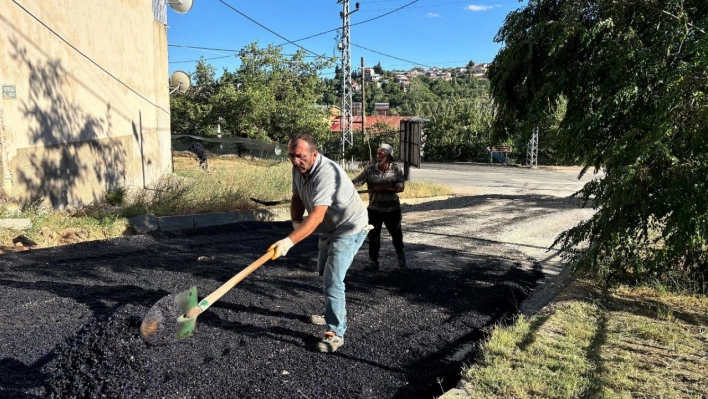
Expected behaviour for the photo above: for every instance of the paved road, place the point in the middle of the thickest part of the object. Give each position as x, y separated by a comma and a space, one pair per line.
480, 179
72, 313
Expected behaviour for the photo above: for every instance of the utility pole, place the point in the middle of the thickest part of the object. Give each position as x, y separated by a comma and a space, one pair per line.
532, 152
345, 124
367, 149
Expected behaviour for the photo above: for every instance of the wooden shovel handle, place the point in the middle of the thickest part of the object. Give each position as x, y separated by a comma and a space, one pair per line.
205, 303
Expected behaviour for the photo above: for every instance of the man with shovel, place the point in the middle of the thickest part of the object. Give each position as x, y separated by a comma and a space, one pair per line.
337, 213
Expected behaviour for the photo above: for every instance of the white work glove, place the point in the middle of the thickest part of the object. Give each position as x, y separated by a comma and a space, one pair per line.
281, 248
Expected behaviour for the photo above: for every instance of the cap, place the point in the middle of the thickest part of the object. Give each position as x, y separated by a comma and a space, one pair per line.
388, 148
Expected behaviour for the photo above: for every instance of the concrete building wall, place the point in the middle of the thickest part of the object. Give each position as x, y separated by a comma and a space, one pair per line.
91, 111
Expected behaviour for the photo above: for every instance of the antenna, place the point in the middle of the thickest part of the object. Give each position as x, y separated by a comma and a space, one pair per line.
179, 81
181, 6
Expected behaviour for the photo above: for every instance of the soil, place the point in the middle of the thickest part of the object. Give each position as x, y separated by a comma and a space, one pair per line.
72, 314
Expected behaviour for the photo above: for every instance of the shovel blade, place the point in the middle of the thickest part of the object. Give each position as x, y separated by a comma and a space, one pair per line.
160, 325
185, 327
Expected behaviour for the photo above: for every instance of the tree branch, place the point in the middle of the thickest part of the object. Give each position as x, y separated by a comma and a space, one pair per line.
632, 3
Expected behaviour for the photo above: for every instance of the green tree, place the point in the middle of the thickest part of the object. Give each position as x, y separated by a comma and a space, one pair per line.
191, 111
277, 95
634, 75
269, 97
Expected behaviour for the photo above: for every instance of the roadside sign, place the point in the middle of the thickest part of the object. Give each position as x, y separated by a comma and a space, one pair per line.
8, 91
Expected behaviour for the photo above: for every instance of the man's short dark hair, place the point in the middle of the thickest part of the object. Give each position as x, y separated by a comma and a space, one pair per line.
307, 137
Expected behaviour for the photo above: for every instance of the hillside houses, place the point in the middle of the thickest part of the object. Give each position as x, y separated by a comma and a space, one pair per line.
404, 78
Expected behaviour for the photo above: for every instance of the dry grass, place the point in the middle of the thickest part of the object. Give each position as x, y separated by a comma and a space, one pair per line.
627, 343
227, 186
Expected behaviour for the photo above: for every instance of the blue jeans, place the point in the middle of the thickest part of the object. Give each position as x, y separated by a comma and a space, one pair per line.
333, 261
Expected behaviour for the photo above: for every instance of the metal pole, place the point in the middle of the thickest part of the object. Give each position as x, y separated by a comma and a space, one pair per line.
345, 46
365, 146
532, 151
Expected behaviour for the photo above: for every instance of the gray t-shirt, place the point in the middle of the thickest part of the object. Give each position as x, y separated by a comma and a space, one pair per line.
329, 185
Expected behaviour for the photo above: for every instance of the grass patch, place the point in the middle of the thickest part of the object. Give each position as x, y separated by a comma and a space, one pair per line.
626, 343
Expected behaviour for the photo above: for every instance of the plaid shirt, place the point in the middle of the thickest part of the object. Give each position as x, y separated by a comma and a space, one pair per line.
373, 177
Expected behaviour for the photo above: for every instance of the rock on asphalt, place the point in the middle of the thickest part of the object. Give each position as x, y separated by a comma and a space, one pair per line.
72, 314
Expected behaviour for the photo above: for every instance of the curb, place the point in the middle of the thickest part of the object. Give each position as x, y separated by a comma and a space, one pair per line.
147, 223
186, 222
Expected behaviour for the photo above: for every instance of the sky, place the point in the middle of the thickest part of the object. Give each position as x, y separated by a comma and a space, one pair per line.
398, 34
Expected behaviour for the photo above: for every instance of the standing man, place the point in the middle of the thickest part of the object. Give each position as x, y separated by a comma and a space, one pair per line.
337, 213
384, 181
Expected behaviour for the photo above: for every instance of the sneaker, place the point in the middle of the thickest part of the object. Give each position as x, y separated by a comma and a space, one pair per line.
318, 320
401, 260
330, 343
373, 265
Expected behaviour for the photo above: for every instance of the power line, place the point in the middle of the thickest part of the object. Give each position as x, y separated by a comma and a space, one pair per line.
237, 52
390, 56
427, 6
266, 28
383, 15
279, 45
227, 56
358, 23
203, 48
315, 35
201, 59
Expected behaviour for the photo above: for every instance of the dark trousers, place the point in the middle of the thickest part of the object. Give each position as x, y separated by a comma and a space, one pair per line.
392, 221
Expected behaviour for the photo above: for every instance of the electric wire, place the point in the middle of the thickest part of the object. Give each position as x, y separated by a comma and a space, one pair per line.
202, 48
293, 42
390, 56
202, 59
358, 23
426, 6
315, 35
266, 28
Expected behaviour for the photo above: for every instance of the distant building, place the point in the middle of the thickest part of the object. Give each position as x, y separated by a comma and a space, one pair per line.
85, 106
381, 109
370, 75
403, 80
374, 124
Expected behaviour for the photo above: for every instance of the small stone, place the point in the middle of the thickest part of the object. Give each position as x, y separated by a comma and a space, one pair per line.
144, 223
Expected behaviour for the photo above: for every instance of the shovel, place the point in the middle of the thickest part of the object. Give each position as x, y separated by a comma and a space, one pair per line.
287, 201
174, 317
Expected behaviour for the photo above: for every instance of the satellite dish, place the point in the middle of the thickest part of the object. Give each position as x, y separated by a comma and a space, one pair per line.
181, 6
180, 81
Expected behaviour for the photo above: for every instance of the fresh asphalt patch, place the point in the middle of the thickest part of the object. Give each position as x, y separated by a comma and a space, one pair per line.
72, 314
